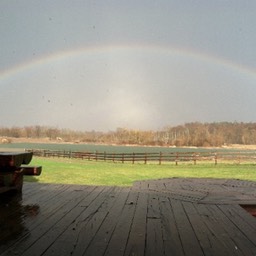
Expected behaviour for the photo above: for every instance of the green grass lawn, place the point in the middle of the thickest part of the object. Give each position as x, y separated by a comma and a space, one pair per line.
72, 171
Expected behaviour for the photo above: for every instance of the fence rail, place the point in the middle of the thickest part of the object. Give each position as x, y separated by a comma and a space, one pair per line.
159, 157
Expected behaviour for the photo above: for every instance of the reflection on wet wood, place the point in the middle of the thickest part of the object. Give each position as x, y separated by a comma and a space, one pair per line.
151, 218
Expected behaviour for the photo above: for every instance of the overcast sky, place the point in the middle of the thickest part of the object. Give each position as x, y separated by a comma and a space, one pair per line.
99, 65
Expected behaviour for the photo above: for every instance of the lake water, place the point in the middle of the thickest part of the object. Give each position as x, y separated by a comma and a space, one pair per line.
102, 148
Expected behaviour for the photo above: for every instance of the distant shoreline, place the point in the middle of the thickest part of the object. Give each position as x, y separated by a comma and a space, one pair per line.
48, 141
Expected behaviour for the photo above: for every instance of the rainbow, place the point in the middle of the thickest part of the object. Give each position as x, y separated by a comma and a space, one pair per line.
64, 55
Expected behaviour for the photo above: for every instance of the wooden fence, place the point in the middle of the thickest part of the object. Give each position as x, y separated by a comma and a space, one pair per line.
159, 157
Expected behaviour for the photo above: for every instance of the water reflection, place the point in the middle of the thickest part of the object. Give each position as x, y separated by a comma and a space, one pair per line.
13, 216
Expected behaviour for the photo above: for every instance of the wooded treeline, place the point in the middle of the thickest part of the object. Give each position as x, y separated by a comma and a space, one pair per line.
190, 134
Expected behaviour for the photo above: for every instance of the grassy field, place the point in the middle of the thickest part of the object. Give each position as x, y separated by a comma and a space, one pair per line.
71, 171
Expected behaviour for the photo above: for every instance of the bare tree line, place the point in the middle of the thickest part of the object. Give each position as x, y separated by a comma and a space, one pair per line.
190, 134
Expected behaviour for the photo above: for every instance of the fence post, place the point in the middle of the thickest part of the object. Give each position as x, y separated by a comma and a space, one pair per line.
133, 156
216, 158
145, 159
113, 157
96, 155
160, 158
105, 156
176, 159
122, 158
194, 156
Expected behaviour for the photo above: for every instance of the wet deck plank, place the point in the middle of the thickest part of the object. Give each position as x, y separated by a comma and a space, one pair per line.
162, 217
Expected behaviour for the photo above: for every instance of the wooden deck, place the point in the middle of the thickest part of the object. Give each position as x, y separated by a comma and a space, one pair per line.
161, 217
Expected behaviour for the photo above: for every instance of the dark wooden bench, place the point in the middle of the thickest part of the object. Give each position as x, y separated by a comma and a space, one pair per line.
13, 168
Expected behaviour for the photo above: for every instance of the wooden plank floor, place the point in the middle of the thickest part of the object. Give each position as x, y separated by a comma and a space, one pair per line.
160, 217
